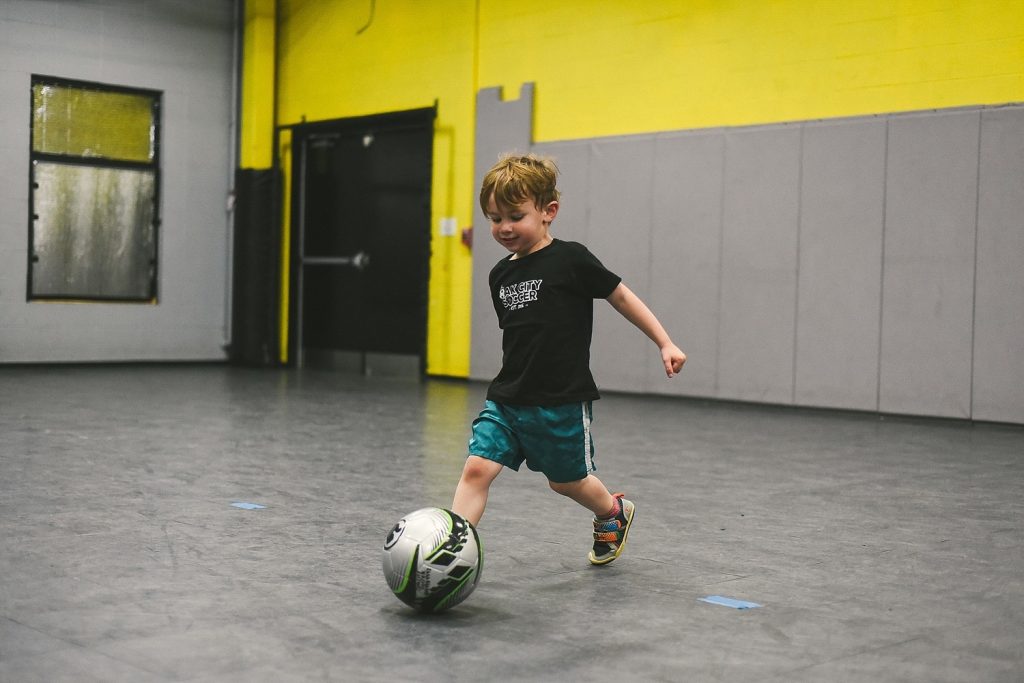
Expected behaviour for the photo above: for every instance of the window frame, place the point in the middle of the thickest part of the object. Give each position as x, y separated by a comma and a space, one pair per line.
94, 162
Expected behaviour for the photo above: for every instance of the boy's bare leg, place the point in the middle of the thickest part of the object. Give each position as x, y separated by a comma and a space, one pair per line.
471, 493
588, 492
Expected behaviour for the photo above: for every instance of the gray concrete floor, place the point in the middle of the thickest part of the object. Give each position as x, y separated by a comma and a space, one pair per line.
880, 549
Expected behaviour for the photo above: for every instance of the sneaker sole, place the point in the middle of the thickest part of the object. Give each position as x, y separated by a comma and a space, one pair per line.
618, 551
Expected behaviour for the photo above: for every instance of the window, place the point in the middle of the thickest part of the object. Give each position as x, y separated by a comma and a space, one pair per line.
94, 191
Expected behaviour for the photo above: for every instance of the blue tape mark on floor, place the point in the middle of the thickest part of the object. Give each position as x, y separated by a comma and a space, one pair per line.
249, 506
729, 602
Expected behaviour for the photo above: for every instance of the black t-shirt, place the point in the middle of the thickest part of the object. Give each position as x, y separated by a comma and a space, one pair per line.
545, 307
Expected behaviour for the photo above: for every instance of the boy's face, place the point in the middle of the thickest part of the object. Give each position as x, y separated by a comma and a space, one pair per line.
523, 228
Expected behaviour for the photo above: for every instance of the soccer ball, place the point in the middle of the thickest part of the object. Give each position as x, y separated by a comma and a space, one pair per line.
432, 559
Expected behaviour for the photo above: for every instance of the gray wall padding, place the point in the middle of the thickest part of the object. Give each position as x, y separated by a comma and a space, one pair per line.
842, 211
689, 170
501, 126
871, 263
760, 233
998, 387
928, 277
620, 194
185, 50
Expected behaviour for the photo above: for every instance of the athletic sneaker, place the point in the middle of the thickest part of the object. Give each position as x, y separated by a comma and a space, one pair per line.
610, 534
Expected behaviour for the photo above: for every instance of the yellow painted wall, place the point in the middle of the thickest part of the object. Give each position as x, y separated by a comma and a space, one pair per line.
605, 67
284, 151
257, 85
409, 55
614, 67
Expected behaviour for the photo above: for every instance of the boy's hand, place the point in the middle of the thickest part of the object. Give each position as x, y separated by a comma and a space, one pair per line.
673, 358
635, 311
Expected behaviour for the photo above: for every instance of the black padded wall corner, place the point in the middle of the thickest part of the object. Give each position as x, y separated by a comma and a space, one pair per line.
254, 314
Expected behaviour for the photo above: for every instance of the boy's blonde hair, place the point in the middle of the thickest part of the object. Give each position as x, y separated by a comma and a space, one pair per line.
516, 178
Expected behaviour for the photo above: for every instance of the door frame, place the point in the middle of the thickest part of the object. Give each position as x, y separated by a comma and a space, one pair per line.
301, 133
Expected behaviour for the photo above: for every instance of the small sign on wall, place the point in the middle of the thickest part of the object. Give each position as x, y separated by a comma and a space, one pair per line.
449, 226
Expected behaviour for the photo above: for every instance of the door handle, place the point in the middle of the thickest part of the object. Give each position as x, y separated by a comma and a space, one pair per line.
360, 260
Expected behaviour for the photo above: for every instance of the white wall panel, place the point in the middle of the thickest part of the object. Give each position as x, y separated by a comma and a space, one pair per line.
185, 50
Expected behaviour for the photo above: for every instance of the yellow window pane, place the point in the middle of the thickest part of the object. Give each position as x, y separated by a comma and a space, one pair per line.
92, 123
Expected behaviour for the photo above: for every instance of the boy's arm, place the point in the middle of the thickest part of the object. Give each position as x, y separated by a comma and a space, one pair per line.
635, 311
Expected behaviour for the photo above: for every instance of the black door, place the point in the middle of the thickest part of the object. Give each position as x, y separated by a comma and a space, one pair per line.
361, 238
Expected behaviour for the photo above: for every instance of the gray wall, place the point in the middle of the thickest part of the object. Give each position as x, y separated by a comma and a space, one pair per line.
870, 264
184, 49
501, 126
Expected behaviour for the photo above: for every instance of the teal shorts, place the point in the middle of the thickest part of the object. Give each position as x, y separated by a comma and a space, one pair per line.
554, 440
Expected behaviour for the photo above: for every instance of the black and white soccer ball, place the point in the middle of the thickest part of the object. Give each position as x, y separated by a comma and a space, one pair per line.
432, 559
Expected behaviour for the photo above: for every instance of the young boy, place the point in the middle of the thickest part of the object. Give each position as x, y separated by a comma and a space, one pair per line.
538, 408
